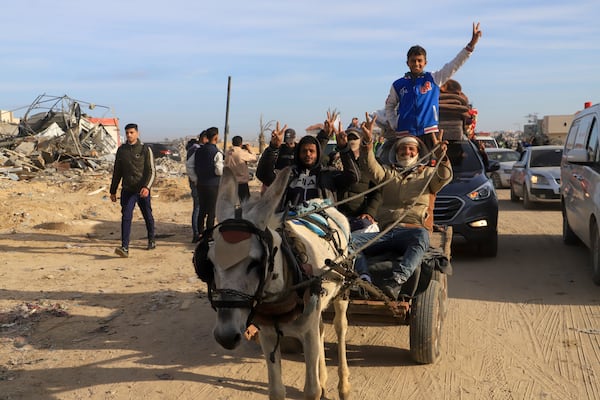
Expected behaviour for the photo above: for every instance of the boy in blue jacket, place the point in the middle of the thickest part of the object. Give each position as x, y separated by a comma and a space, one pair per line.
412, 106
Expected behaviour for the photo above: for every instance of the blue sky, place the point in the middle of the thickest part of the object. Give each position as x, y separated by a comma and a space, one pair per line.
165, 64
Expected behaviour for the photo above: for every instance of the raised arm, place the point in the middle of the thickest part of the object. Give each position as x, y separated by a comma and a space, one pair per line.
265, 170
367, 156
444, 173
475, 38
448, 70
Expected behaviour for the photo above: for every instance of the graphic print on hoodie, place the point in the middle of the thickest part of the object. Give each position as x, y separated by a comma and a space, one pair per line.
304, 182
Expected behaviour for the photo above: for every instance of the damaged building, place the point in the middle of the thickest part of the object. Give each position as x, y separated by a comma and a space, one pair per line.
57, 129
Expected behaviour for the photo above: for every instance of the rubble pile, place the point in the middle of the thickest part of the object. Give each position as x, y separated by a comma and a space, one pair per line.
56, 136
55, 133
169, 166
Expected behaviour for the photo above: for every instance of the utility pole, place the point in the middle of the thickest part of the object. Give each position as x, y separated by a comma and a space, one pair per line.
261, 137
227, 115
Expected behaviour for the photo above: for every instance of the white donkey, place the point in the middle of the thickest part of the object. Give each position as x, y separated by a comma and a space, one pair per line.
253, 278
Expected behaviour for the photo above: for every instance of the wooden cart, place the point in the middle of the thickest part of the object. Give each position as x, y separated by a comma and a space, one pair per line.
424, 306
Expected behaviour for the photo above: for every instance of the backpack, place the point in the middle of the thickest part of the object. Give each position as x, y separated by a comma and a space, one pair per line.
190, 168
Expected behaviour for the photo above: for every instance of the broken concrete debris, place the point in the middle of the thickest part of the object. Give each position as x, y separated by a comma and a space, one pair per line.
56, 135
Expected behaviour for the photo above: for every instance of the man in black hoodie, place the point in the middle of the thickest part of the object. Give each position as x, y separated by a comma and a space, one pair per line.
134, 164
309, 179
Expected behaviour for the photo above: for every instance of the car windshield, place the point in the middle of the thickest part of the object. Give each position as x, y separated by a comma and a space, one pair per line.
503, 156
546, 158
464, 157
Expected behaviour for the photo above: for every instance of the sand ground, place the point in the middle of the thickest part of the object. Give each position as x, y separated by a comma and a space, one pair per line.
77, 322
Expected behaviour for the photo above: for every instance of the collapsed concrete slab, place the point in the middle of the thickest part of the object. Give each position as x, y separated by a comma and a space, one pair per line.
55, 129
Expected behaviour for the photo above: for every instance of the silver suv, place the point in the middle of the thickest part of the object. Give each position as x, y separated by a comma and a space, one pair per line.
580, 193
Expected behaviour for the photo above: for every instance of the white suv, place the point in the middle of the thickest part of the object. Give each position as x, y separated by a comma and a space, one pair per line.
580, 193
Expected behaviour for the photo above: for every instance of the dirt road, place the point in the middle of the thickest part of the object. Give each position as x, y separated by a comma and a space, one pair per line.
79, 323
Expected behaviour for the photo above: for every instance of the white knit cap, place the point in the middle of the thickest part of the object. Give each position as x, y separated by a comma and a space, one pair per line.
407, 140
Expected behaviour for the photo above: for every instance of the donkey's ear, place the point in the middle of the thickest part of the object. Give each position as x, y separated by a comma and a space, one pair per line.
264, 209
227, 197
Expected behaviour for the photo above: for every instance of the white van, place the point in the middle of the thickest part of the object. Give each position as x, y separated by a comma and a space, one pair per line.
580, 182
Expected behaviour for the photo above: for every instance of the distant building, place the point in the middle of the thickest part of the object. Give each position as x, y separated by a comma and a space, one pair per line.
555, 127
533, 129
9, 125
8, 117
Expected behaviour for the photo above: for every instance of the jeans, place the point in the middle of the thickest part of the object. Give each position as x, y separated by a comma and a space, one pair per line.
195, 210
207, 199
412, 243
243, 191
128, 202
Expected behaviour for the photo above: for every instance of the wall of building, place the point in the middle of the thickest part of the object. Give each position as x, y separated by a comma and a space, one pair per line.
8, 117
556, 127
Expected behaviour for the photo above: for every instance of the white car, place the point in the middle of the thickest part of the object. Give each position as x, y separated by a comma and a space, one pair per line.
536, 176
580, 196
506, 158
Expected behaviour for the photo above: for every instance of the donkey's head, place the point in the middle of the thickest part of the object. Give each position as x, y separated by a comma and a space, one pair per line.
241, 253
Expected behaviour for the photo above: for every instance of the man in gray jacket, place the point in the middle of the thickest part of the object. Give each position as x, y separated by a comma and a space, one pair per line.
134, 165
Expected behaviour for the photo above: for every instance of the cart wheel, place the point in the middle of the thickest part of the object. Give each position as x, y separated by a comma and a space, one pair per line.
442, 278
426, 324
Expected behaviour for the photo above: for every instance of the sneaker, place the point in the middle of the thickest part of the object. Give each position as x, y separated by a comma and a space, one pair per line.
151, 245
122, 252
391, 288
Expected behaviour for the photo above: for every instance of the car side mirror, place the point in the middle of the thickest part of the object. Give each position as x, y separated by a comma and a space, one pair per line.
492, 166
577, 156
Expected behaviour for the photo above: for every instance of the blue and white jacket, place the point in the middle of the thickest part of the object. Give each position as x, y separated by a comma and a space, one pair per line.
413, 103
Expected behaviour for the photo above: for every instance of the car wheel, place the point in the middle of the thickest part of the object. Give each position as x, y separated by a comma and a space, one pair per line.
527, 203
513, 195
489, 248
595, 256
496, 181
568, 236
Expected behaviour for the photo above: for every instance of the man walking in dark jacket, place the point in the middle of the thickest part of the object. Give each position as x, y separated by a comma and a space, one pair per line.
134, 165
209, 168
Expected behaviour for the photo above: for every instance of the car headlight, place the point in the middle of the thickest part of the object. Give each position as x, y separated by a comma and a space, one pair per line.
482, 192
539, 180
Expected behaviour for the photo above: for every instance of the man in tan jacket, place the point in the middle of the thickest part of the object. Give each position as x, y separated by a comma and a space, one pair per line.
407, 201
237, 160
